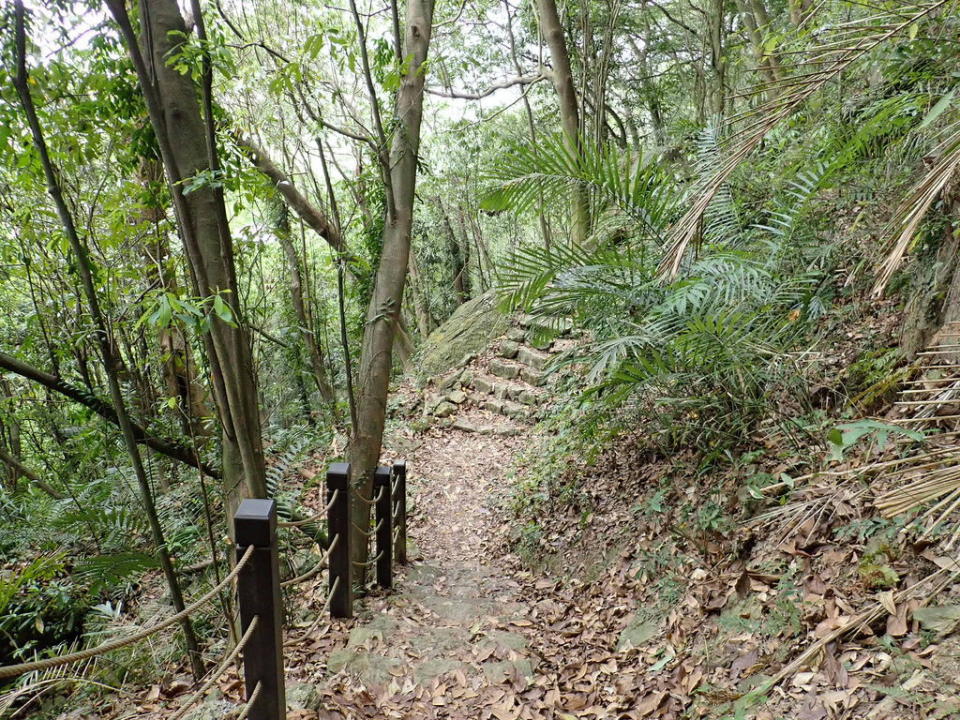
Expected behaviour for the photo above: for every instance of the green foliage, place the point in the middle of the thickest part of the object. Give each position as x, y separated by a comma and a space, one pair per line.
845, 436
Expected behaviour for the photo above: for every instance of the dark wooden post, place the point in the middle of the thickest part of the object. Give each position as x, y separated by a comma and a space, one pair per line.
338, 529
382, 482
258, 588
400, 500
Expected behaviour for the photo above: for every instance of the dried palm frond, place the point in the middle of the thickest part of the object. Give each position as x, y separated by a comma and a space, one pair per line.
842, 47
915, 207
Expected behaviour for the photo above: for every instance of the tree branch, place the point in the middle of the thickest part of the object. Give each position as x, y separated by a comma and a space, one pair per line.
512, 82
29, 474
170, 448
309, 213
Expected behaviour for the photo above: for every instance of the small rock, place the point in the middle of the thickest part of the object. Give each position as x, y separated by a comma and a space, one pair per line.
492, 405
527, 398
514, 410
482, 385
941, 619
466, 426
509, 349
531, 376
533, 358
636, 634
450, 380
500, 391
457, 397
516, 334
445, 409
302, 696
213, 708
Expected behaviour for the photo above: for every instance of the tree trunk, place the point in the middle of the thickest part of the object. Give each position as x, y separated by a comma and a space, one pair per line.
718, 64
178, 367
304, 316
170, 448
111, 362
569, 105
383, 314
420, 308
187, 147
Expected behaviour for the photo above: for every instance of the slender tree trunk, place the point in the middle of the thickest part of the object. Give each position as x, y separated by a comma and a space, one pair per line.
304, 316
569, 105
718, 63
178, 367
383, 314
460, 268
111, 362
420, 308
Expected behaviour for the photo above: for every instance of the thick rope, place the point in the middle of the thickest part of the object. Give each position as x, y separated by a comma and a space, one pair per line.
9, 671
369, 562
319, 517
249, 706
374, 501
221, 668
315, 570
368, 533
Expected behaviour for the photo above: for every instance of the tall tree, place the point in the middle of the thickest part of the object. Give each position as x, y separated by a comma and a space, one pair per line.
187, 143
383, 313
111, 361
568, 102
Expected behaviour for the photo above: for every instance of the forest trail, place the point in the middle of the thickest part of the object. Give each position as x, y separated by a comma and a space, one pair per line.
451, 639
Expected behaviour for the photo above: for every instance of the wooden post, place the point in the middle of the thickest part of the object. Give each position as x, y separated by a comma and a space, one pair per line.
258, 589
338, 529
400, 499
382, 482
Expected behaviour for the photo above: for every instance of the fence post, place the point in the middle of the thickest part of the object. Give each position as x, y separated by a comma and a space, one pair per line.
400, 498
258, 589
382, 485
338, 530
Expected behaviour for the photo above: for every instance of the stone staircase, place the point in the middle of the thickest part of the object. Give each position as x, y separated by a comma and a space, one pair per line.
508, 383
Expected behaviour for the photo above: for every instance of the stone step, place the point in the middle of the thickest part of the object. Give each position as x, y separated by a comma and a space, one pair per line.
534, 358
504, 369
508, 349
505, 390
508, 408
485, 428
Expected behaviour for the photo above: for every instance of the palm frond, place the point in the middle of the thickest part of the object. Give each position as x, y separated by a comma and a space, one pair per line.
914, 209
618, 181
838, 51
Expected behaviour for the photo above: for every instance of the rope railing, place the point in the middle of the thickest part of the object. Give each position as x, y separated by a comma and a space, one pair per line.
368, 563
9, 671
220, 670
319, 517
368, 533
254, 696
316, 569
256, 574
372, 501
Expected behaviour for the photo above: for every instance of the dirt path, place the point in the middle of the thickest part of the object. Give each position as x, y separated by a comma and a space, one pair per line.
451, 639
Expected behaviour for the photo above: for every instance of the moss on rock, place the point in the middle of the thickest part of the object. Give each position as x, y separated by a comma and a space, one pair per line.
469, 331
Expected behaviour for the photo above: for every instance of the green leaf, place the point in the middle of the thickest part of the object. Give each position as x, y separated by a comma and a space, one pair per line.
937, 110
